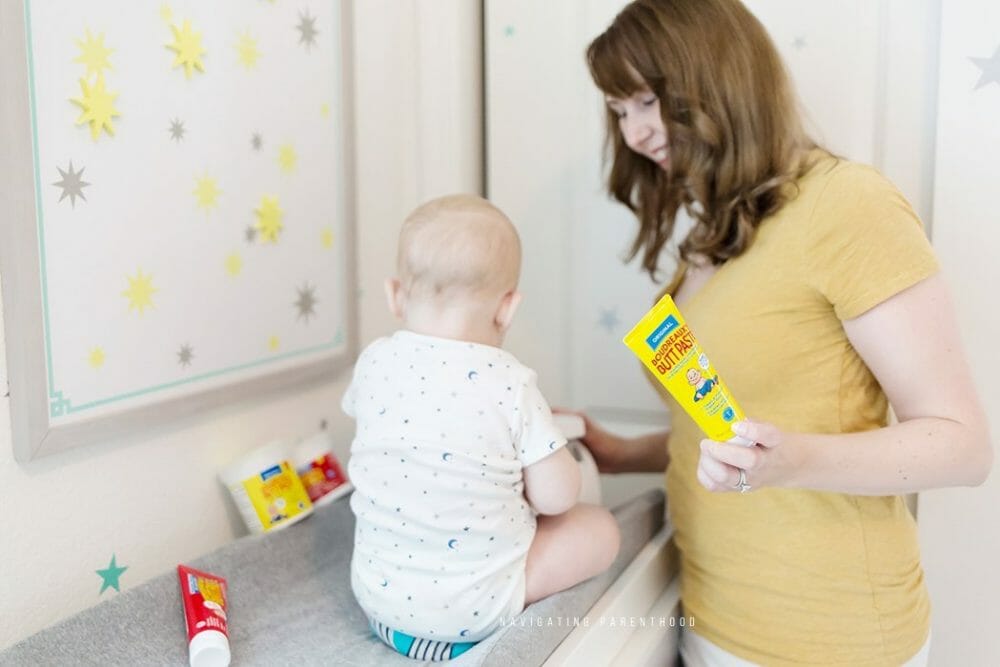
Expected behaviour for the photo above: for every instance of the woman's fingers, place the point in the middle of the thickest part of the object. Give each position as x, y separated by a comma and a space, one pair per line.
762, 433
737, 456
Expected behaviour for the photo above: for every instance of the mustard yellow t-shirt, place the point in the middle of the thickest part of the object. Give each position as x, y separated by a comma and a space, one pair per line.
778, 576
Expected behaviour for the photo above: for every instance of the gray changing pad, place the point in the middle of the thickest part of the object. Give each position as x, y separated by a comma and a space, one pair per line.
290, 603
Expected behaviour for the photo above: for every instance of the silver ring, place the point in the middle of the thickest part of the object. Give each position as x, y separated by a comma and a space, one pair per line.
742, 484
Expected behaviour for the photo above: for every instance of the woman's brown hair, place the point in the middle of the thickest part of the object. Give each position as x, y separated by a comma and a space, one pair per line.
735, 136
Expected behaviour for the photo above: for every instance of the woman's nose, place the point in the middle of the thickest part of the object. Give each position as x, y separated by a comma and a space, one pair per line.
635, 131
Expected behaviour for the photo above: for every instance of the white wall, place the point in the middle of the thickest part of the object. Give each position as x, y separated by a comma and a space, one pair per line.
154, 501
960, 528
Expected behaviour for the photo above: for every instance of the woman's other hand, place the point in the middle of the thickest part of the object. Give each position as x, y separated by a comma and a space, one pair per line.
614, 453
765, 463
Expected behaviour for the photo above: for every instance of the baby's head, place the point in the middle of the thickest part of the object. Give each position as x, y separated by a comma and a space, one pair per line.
458, 264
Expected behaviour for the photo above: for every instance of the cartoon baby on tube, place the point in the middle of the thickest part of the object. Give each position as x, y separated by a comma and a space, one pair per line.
701, 384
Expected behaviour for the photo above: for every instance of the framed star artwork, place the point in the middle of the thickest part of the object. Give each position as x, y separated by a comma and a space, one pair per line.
178, 216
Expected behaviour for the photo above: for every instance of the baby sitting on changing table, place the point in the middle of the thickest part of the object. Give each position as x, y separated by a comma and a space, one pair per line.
465, 494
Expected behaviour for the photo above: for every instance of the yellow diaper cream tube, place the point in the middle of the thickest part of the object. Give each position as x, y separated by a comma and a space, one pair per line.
669, 349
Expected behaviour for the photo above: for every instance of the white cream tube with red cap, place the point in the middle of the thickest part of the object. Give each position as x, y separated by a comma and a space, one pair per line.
204, 597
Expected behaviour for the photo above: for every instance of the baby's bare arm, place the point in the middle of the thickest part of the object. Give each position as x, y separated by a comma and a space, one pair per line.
552, 485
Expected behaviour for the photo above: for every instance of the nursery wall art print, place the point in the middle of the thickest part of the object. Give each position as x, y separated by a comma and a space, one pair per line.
177, 208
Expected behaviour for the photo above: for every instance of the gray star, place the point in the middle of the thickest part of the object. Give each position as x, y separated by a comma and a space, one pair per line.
608, 320
176, 130
250, 234
307, 29
71, 184
185, 355
799, 43
256, 141
306, 302
990, 67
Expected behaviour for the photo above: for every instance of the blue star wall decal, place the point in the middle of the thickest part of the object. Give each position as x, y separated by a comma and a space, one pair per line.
990, 68
609, 320
110, 575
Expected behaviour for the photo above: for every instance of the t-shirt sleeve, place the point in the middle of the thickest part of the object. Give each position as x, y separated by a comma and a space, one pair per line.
864, 243
347, 402
538, 435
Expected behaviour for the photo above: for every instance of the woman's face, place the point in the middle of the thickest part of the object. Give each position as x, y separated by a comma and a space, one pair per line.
642, 126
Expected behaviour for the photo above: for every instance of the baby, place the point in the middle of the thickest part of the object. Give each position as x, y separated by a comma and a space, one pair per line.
465, 495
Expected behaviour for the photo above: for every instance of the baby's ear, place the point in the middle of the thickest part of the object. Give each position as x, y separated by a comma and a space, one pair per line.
394, 296
505, 312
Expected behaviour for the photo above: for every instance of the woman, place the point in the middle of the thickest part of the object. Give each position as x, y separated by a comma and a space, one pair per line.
811, 283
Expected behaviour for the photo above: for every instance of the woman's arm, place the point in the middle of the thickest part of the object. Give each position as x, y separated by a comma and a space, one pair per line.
912, 345
615, 454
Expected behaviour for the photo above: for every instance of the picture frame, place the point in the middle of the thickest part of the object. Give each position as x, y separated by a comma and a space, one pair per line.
206, 255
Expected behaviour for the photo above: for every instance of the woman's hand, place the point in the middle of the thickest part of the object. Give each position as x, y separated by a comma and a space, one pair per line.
605, 447
766, 463
614, 453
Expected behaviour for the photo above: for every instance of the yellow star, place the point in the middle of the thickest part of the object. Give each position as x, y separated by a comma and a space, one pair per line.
140, 291
287, 158
206, 191
326, 238
234, 264
166, 13
98, 107
96, 358
187, 46
269, 219
93, 54
247, 51
324, 110
273, 343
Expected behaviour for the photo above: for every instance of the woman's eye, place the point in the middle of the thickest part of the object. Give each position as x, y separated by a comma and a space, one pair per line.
650, 102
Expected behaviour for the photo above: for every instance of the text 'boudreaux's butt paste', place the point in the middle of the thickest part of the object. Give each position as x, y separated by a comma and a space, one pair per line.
668, 348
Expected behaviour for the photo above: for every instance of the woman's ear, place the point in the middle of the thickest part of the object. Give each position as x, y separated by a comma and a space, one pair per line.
394, 297
505, 311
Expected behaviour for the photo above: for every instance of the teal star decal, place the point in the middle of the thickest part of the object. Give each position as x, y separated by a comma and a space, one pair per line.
110, 575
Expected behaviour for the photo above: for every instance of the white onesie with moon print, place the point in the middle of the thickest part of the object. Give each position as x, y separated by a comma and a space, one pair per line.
444, 428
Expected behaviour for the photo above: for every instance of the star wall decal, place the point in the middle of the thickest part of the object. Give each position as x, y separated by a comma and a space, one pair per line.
96, 358
176, 129
72, 184
250, 234
307, 29
185, 355
256, 141
110, 575
93, 55
97, 107
269, 219
140, 292
187, 46
306, 303
990, 69
206, 192
609, 320
246, 51
287, 157
234, 264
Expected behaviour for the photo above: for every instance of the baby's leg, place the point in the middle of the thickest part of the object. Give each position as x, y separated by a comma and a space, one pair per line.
569, 548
